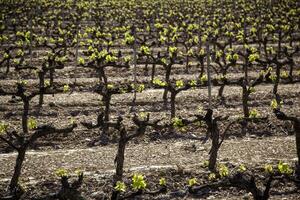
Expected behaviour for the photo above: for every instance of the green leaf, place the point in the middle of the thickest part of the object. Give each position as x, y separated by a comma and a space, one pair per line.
253, 57
145, 50
212, 176
204, 38
103, 54
205, 163
139, 88
273, 77
46, 83
23, 82
229, 57
32, 123
158, 25
179, 83
251, 90
164, 61
3, 128
110, 58
120, 186
127, 58
16, 61
253, 113
6, 55
235, 57
223, 170
172, 51
158, 82
284, 74
138, 182
61, 172
81, 61
193, 83
110, 86
284, 168
143, 115
190, 52
177, 122
242, 168
201, 52
275, 105
268, 169
20, 52
203, 79
219, 53
66, 88
162, 182
192, 182
129, 39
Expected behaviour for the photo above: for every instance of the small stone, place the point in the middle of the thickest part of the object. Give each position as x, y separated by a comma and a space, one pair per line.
247, 196
97, 195
211, 197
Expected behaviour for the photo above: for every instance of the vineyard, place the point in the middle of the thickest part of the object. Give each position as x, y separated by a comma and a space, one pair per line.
149, 99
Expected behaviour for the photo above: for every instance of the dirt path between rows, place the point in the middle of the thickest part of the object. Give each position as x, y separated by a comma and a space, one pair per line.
165, 154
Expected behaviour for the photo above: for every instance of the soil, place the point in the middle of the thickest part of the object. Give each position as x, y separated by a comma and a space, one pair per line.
176, 156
